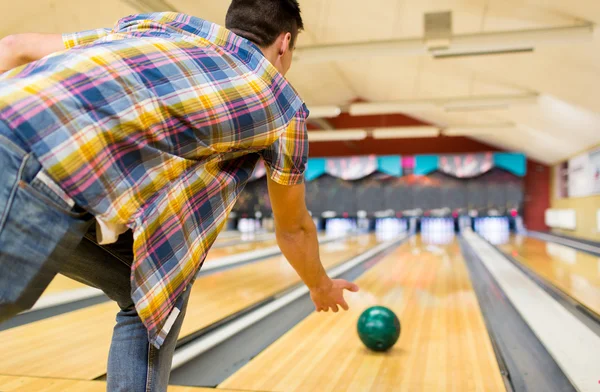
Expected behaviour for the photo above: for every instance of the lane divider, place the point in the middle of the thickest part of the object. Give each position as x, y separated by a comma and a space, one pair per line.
574, 347
212, 339
564, 241
55, 299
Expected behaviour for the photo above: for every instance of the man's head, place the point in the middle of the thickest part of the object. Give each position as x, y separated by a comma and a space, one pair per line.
273, 25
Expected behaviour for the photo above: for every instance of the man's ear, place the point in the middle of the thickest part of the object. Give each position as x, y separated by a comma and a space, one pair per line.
284, 44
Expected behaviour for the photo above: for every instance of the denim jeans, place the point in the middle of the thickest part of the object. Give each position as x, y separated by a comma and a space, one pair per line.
41, 235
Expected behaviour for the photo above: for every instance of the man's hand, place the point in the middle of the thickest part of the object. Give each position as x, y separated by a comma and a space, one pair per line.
330, 294
8, 55
20, 49
297, 238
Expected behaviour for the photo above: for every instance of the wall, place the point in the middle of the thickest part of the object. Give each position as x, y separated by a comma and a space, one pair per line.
439, 145
537, 180
537, 195
585, 209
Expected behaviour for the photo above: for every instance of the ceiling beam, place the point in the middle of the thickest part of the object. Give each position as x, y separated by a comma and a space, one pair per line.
485, 102
465, 44
409, 132
467, 103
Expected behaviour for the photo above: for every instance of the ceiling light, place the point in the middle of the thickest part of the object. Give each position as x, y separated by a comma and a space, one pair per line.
337, 135
449, 54
459, 44
405, 132
324, 111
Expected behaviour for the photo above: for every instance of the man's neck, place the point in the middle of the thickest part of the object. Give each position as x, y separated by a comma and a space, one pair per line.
270, 54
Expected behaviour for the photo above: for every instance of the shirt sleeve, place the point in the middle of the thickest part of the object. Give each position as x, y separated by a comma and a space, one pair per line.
286, 158
72, 40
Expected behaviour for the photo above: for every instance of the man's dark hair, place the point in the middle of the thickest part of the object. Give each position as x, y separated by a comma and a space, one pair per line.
262, 21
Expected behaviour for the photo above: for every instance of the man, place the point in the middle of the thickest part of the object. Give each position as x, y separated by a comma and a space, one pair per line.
154, 126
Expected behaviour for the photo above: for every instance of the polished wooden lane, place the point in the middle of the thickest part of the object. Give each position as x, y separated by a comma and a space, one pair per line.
75, 345
228, 235
575, 273
33, 384
247, 237
444, 345
242, 247
222, 294
62, 284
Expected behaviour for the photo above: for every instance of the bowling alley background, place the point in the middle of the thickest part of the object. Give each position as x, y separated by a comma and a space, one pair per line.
366, 179
391, 185
460, 175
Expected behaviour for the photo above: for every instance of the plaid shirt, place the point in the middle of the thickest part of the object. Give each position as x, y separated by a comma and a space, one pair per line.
157, 124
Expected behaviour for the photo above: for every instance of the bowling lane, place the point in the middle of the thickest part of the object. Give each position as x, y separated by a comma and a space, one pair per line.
62, 284
30, 384
575, 273
247, 243
228, 235
76, 344
244, 237
243, 246
444, 344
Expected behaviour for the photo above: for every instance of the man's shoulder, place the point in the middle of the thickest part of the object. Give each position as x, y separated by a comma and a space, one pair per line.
242, 54
155, 19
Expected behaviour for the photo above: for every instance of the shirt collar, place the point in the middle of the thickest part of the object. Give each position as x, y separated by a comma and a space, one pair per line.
172, 22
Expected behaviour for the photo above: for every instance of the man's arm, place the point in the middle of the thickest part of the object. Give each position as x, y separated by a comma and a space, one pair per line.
297, 237
20, 49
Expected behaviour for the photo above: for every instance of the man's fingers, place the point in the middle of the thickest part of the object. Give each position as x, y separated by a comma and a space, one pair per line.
334, 300
344, 304
318, 306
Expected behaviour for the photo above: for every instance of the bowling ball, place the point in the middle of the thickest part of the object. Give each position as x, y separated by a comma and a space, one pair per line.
378, 328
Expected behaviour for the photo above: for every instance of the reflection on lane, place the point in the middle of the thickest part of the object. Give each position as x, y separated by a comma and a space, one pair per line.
444, 345
575, 273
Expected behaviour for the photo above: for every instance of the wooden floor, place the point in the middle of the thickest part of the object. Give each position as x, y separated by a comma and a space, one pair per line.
62, 284
32, 384
575, 273
247, 237
444, 345
76, 344
244, 246
228, 236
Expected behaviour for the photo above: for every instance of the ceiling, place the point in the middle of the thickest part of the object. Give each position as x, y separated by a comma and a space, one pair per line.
564, 121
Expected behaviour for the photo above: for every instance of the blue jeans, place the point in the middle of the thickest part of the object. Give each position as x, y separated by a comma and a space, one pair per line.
41, 235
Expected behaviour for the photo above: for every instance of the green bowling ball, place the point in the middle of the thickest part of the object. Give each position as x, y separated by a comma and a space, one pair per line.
378, 328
